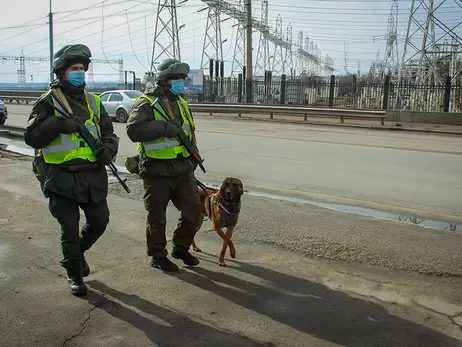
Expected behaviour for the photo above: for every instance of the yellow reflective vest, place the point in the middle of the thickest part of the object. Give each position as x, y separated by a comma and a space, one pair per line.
67, 147
165, 147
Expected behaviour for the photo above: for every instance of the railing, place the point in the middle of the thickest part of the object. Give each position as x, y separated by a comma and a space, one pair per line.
240, 109
271, 110
11, 130
347, 92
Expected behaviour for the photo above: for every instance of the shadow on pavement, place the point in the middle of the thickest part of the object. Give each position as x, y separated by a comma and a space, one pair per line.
183, 330
314, 309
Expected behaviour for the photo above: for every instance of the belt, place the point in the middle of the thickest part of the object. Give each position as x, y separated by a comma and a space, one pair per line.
80, 167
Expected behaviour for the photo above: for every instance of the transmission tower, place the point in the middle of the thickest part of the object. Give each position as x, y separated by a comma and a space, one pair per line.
22, 59
236, 13
22, 68
308, 59
328, 66
278, 57
166, 43
288, 67
237, 66
300, 62
390, 61
263, 57
212, 48
91, 76
346, 58
425, 55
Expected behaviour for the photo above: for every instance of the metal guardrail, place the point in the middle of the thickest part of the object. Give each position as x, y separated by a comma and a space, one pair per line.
12, 130
271, 110
239, 109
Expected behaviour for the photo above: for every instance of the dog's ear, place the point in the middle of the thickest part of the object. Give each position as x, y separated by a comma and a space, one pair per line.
224, 184
241, 188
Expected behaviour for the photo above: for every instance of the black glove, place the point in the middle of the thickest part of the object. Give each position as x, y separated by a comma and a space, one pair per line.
171, 130
103, 155
66, 126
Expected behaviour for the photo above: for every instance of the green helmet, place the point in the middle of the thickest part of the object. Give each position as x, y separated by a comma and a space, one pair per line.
171, 69
71, 54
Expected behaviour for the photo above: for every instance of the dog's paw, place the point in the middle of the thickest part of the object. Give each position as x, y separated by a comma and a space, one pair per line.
222, 263
232, 252
197, 249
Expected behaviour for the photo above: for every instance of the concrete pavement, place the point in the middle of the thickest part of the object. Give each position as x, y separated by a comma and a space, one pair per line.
268, 296
396, 172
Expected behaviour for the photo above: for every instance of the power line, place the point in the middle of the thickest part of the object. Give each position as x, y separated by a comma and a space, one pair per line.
72, 29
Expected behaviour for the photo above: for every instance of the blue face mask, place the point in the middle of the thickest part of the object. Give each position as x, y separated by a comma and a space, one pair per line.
177, 87
76, 78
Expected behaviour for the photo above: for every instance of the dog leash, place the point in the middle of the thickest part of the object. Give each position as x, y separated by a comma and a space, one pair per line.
201, 185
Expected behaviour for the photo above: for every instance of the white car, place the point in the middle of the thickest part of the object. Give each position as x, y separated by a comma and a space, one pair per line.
118, 103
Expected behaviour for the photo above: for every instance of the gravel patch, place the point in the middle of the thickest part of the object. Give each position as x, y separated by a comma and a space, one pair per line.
327, 234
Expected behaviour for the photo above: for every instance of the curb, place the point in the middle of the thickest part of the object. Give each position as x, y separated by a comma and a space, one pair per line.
359, 126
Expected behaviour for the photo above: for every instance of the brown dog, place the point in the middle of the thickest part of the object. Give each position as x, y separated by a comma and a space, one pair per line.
222, 206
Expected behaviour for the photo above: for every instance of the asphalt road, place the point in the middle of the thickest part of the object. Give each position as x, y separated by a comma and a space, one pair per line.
279, 291
394, 171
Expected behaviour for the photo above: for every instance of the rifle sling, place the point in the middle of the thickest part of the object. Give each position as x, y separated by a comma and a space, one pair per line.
169, 110
59, 93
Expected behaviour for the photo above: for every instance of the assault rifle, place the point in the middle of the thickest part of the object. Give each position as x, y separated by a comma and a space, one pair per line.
93, 143
182, 138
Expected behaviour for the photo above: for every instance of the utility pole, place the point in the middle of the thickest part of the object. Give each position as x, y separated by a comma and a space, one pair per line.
50, 26
249, 74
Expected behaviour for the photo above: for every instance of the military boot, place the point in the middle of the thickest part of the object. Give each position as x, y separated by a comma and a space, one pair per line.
187, 257
85, 267
164, 264
78, 287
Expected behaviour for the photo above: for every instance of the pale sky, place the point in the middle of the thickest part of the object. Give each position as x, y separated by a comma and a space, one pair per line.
360, 25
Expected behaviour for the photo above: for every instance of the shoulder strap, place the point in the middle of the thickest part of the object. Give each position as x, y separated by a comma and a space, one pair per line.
163, 112
93, 100
170, 113
62, 98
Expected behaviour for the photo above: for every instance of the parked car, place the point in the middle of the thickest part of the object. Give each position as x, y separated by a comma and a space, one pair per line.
3, 112
118, 103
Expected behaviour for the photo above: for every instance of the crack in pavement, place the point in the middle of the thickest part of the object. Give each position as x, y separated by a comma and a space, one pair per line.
412, 303
451, 318
84, 325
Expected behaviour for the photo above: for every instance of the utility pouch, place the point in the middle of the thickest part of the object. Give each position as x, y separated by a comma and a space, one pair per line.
133, 164
40, 168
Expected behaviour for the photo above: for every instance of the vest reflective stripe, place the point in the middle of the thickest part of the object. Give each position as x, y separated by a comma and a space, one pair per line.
169, 148
71, 146
168, 143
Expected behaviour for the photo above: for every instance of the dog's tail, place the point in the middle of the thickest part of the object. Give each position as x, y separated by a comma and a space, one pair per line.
204, 188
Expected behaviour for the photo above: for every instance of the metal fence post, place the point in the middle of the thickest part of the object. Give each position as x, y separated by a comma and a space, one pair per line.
248, 89
282, 99
447, 94
243, 79
331, 90
386, 90
239, 88
222, 77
